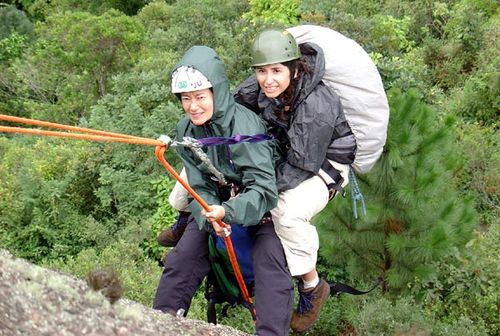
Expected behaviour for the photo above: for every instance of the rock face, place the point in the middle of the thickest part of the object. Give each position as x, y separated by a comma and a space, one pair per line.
38, 301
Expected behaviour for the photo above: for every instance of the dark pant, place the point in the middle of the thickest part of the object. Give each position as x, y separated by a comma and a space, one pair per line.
187, 264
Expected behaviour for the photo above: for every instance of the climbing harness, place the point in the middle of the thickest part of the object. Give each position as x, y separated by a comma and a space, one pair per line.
160, 147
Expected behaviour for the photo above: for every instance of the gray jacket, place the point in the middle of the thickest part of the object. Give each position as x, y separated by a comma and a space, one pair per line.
317, 130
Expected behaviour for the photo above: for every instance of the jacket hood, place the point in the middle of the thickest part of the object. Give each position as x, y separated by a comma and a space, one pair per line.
314, 57
206, 60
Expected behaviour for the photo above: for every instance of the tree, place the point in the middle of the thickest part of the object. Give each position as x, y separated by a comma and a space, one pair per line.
415, 215
69, 67
13, 20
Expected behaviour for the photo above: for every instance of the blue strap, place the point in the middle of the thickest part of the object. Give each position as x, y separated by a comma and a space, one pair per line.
235, 139
356, 194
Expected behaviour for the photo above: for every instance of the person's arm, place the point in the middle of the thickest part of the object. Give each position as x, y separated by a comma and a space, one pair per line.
254, 164
342, 148
320, 119
259, 194
312, 130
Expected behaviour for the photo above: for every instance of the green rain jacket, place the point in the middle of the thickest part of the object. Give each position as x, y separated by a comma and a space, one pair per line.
249, 165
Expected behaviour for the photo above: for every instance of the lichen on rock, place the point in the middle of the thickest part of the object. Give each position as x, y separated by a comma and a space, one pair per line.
38, 301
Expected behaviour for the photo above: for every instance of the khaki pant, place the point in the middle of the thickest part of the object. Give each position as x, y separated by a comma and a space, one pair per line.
292, 218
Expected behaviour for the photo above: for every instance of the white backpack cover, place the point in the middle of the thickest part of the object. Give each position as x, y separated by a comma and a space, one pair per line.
351, 73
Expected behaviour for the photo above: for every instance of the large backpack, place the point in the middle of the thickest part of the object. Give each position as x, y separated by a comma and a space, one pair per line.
351, 73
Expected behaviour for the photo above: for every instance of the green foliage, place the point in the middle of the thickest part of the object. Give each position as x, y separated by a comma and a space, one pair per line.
391, 34
177, 27
415, 215
13, 20
12, 47
478, 100
157, 15
382, 317
466, 284
40, 9
453, 56
163, 218
403, 72
403, 316
38, 191
273, 11
479, 176
129, 7
133, 185
329, 8
71, 63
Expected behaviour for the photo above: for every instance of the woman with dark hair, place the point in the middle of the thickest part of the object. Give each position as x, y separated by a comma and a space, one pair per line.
317, 147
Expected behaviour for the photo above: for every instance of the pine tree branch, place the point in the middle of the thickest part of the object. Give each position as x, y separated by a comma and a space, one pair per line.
368, 261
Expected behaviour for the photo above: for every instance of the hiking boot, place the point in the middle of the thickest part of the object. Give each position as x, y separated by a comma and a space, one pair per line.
169, 237
310, 302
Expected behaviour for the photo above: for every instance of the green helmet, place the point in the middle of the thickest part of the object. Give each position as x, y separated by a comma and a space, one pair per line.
274, 46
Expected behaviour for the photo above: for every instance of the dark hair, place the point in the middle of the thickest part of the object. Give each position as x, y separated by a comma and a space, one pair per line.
288, 96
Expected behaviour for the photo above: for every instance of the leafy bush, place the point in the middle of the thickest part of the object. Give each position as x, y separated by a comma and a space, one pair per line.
38, 213
401, 317
163, 218
390, 35
382, 317
69, 66
466, 284
12, 47
12, 21
273, 11
453, 57
479, 176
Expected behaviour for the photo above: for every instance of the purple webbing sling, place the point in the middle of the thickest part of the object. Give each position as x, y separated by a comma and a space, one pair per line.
236, 139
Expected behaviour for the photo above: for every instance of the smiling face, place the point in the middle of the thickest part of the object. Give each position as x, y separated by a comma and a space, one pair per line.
198, 105
273, 79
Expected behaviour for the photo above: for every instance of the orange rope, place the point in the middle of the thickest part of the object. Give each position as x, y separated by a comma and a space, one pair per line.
64, 127
129, 140
229, 244
96, 135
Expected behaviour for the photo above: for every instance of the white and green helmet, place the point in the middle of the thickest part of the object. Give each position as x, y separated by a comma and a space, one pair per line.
187, 79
